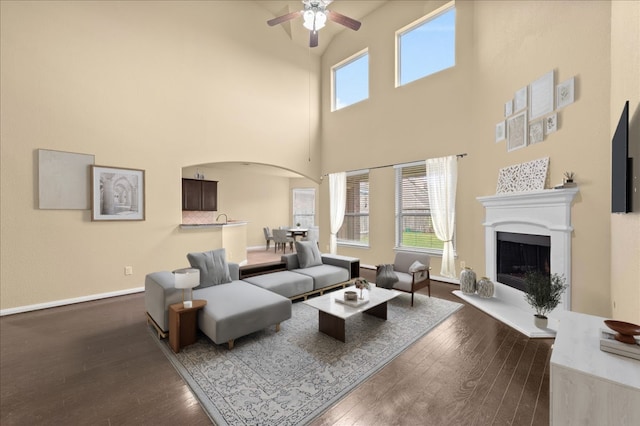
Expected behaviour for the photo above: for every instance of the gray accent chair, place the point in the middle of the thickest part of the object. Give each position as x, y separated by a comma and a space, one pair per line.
411, 281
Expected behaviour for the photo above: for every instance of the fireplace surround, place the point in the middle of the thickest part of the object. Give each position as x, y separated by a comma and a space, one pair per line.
545, 213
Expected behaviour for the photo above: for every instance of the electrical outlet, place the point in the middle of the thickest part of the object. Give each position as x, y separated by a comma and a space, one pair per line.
128, 270
463, 264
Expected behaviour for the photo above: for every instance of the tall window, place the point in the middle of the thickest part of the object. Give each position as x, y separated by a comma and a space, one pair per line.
426, 46
414, 229
350, 80
355, 228
304, 207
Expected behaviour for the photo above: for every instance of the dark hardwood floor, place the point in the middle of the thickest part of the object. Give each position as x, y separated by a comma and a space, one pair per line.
95, 363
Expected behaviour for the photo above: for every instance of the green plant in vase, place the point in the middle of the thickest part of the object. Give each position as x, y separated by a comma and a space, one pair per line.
361, 284
543, 293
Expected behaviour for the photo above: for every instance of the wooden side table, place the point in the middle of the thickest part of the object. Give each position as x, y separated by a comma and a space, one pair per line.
183, 324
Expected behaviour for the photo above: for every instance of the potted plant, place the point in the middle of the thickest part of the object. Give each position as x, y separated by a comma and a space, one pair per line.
361, 283
543, 293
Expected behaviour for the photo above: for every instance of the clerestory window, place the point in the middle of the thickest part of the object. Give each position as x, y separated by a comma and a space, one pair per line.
426, 46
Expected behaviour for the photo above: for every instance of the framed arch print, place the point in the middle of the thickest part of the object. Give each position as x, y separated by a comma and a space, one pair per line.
117, 194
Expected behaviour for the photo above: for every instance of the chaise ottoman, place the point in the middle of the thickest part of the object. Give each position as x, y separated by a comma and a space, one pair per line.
237, 308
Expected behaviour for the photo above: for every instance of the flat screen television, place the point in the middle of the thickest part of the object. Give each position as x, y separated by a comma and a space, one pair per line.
621, 166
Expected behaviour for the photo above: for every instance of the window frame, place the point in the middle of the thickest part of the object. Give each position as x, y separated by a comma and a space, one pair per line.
353, 176
415, 24
358, 55
399, 215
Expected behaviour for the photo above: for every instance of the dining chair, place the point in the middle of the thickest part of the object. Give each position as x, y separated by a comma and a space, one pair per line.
267, 236
280, 238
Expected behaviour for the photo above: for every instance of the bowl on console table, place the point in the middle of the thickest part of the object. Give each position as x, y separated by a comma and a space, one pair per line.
624, 331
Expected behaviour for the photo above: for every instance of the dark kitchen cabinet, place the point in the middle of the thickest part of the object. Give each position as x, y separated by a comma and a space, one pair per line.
199, 194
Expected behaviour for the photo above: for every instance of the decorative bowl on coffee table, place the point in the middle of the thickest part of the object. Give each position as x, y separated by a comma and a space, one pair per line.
350, 295
624, 331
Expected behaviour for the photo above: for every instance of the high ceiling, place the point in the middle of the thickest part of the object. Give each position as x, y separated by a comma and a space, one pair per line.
356, 9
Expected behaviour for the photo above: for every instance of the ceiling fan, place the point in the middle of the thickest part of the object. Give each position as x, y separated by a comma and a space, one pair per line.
315, 16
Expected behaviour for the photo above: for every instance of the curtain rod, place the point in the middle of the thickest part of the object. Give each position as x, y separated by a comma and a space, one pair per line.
387, 165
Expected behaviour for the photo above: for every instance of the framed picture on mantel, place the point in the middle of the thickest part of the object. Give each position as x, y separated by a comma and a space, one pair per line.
117, 194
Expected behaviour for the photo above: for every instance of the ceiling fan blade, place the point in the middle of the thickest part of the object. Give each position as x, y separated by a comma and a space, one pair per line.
343, 20
284, 18
313, 39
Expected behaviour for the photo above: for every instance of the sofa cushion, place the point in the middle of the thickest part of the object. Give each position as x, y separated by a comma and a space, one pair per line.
325, 275
403, 281
213, 267
239, 308
285, 283
308, 254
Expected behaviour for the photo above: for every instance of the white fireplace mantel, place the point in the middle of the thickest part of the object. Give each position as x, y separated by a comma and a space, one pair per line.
545, 212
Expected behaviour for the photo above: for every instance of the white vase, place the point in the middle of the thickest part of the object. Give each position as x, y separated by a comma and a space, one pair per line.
468, 281
540, 321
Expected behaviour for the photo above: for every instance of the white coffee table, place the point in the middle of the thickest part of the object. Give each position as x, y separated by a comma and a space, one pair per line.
332, 314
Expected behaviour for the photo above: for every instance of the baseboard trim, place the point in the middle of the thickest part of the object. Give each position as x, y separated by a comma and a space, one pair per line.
64, 302
445, 279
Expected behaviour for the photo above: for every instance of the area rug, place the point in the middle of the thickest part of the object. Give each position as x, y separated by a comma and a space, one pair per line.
291, 377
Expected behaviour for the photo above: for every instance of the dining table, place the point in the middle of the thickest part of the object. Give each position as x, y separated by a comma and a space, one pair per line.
297, 232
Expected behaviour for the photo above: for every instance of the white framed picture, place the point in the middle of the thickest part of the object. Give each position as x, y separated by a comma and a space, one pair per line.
117, 193
565, 93
520, 100
517, 131
500, 131
508, 108
541, 96
536, 132
551, 124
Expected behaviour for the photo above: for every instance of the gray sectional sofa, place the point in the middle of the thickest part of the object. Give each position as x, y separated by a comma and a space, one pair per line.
237, 307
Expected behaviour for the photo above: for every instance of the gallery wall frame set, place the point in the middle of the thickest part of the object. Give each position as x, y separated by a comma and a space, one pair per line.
531, 114
117, 194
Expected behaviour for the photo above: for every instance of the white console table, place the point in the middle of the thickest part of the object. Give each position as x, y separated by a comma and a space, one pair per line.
590, 386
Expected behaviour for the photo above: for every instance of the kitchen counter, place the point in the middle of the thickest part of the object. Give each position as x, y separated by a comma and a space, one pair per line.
212, 225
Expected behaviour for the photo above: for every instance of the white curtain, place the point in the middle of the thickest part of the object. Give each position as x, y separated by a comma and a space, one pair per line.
337, 204
442, 178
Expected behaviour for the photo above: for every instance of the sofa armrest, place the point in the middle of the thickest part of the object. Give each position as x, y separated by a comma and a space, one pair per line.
351, 264
234, 271
291, 261
159, 293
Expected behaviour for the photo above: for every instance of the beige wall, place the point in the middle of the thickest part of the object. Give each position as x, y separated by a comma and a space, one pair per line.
501, 47
165, 85
625, 228
149, 85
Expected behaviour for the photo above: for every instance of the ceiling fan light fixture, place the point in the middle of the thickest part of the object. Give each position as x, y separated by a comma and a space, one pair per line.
321, 19
309, 19
314, 19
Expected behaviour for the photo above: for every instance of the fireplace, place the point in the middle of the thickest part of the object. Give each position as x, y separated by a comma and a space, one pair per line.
524, 231
517, 254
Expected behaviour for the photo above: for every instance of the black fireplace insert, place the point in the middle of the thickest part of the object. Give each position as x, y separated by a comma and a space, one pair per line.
518, 254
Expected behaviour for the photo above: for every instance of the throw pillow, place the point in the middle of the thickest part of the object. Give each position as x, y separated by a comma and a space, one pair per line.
308, 254
213, 267
386, 276
417, 266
